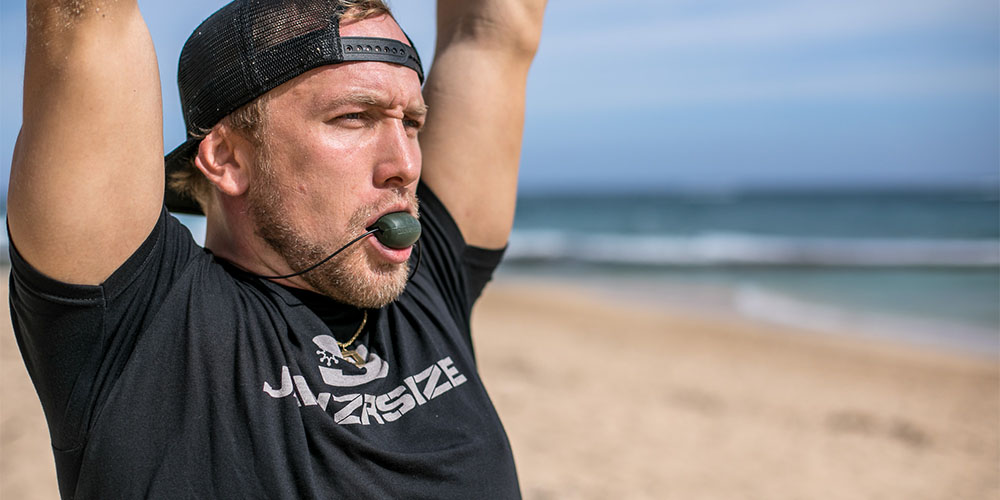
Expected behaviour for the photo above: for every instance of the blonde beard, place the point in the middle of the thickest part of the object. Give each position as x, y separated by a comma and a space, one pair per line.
351, 277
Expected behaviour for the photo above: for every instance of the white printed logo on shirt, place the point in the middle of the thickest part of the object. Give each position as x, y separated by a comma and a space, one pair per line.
365, 409
329, 353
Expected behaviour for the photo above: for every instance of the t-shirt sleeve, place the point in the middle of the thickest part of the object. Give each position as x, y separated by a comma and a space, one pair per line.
75, 339
459, 271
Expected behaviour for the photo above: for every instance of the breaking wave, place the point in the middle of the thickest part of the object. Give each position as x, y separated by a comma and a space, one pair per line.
737, 249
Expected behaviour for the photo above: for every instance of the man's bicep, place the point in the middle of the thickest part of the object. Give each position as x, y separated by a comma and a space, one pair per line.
87, 175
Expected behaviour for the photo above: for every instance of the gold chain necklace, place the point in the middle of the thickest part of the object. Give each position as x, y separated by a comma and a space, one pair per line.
351, 354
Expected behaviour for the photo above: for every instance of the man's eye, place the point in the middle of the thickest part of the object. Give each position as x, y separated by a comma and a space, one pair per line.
412, 123
351, 116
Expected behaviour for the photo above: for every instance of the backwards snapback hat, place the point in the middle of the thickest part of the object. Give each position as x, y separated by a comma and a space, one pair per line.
249, 47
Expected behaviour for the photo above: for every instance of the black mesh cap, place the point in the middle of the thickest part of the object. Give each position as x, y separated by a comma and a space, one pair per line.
249, 47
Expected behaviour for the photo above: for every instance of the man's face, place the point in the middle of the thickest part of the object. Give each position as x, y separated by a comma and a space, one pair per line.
340, 150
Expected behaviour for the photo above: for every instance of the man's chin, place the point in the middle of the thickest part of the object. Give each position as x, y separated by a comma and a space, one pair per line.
371, 287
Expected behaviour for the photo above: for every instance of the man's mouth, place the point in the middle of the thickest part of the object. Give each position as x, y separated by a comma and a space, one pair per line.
396, 207
394, 255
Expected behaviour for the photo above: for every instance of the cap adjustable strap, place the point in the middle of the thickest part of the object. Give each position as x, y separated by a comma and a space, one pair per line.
356, 48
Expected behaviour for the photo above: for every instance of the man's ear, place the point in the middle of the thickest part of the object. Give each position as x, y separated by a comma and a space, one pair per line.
223, 157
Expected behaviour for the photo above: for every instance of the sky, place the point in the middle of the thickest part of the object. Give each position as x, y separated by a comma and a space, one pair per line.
706, 95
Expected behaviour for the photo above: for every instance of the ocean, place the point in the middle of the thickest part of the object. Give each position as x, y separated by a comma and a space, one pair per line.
918, 266
923, 267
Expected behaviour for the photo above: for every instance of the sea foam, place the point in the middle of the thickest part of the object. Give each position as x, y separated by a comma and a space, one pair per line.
740, 249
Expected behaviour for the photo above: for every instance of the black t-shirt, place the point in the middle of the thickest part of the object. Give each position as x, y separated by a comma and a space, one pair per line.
183, 377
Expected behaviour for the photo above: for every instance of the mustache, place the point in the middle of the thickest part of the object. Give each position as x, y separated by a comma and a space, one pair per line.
358, 222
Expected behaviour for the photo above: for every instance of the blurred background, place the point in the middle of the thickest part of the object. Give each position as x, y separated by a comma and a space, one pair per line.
828, 167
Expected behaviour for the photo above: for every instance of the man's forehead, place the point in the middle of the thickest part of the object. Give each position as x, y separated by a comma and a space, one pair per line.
378, 84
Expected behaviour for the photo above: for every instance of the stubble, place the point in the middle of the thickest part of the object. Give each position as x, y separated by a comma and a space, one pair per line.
351, 277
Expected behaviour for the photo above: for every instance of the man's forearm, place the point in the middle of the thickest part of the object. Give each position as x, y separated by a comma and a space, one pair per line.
52, 23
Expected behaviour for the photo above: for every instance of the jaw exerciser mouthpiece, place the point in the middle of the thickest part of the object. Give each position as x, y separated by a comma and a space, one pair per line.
397, 230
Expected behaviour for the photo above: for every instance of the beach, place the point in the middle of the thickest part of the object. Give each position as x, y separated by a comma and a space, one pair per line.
607, 397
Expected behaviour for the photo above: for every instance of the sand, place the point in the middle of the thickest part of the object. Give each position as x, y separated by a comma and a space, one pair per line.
604, 399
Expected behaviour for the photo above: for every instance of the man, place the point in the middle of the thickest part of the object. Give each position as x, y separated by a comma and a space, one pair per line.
240, 370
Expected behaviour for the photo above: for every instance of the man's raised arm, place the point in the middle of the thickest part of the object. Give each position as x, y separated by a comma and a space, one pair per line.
471, 142
86, 182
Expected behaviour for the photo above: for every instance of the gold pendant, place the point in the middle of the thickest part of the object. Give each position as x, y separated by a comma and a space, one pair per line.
352, 356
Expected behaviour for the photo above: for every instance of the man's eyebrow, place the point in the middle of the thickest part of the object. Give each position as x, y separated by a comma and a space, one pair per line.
366, 99
419, 110
354, 98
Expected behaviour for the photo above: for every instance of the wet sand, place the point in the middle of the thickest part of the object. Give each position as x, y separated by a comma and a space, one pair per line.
604, 399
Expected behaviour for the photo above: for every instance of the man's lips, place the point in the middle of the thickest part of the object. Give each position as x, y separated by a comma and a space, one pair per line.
399, 207
396, 256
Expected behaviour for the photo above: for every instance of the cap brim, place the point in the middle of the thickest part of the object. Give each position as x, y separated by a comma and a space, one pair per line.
175, 161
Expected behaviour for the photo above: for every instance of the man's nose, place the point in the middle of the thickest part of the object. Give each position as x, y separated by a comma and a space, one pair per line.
399, 158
